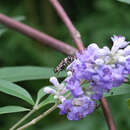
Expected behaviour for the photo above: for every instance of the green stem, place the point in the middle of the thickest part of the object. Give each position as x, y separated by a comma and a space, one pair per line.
23, 119
35, 120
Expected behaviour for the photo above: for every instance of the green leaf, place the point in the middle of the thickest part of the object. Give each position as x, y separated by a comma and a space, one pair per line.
15, 90
125, 1
128, 102
15, 74
40, 94
48, 100
123, 89
12, 109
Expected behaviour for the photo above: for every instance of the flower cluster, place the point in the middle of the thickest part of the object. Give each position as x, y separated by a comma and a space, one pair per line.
77, 108
103, 68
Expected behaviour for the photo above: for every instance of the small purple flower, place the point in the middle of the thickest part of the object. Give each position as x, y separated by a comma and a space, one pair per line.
118, 75
73, 85
105, 73
65, 107
77, 108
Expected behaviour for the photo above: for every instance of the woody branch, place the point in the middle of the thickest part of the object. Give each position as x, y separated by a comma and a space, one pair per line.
37, 35
72, 30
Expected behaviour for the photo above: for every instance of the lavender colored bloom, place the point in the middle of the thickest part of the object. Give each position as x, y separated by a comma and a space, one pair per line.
105, 72
77, 108
73, 85
65, 106
118, 75
103, 68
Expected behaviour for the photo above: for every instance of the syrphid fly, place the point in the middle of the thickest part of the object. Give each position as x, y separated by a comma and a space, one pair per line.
64, 63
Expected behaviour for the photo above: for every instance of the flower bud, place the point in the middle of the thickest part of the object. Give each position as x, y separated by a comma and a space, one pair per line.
49, 90
54, 81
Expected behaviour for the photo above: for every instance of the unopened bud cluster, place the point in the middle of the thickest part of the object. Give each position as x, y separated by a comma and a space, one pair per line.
59, 89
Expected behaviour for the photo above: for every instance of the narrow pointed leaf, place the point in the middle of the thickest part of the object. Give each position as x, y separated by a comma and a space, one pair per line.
40, 94
15, 74
12, 109
48, 100
15, 90
123, 89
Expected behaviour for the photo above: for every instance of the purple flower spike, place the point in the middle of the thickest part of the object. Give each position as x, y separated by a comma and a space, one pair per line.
103, 68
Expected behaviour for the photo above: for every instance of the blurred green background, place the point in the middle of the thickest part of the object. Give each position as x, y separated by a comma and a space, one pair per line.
97, 20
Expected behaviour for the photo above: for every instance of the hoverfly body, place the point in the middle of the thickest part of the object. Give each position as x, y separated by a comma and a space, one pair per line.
64, 63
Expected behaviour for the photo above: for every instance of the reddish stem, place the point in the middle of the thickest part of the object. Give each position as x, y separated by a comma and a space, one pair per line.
107, 114
37, 35
72, 30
